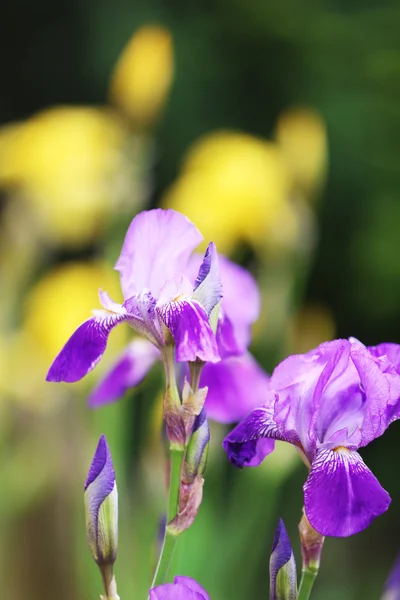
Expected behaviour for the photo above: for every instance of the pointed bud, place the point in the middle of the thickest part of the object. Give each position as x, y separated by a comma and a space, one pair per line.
192, 481
311, 544
392, 586
101, 507
282, 567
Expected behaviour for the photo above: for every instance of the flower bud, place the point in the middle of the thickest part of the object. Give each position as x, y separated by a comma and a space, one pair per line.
101, 507
192, 481
392, 586
311, 544
282, 567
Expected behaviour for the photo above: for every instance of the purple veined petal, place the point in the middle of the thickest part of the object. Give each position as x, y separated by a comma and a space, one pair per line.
84, 348
282, 557
145, 320
192, 585
254, 438
207, 288
391, 351
156, 248
100, 486
341, 495
236, 386
129, 370
189, 326
392, 585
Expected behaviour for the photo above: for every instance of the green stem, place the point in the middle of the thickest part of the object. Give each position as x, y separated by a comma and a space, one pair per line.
306, 583
170, 540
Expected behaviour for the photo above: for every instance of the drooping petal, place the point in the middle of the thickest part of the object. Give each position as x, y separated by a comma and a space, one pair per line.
175, 591
84, 348
208, 287
129, 370
189, 326
341, 495
236, 386
157, 247
101, 505
254, 438
282, 567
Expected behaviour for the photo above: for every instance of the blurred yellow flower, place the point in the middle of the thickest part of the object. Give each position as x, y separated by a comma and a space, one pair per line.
233, 187
69, 163
53, 309
143, 75
309, 327
301, 135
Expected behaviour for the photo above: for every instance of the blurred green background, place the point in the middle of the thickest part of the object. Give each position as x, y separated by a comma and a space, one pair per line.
327, 260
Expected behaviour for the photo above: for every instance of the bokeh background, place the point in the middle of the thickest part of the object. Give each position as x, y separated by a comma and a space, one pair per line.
276, 127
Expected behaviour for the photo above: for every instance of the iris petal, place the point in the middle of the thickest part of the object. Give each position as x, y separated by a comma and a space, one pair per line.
129, 370
208, 286
189, 326
84, 348
341, 495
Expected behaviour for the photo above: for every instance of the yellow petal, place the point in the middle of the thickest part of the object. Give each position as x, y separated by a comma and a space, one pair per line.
143, 75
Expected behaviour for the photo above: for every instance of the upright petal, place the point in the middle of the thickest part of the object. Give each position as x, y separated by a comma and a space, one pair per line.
175, 591
192, 585
236, 386
157, 247
253, 439
129, 370
392, 585
189, 326
341, 495
208, 286
84, 348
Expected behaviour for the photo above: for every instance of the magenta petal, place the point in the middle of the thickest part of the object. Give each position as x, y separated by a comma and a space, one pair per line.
208, 286
84, 348
157, 248
192, 585
129, 370
236, 386
341, 495
176, 591
189, 326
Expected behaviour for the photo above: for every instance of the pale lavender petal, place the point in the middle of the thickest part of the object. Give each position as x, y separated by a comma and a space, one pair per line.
189, 326
175, 591
391, 351
228, 344
157, 247
192, 585
208, 287
129, 370
84, 348
341, 495
282, 557
100, 480
236, 386
254, 438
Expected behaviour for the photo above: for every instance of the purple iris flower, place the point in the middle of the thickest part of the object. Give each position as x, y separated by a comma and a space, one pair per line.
328, 403
229, 381
183, 588
159, 299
